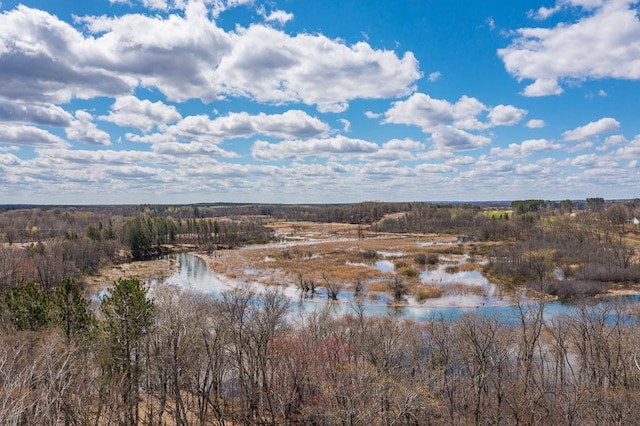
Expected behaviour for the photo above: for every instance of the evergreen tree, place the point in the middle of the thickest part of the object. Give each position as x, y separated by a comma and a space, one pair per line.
128, 315
27, 306
71, 309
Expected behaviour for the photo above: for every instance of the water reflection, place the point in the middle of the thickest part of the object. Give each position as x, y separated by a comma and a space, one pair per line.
193, 273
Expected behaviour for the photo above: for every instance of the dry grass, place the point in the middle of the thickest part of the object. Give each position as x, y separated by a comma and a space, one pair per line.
428, 292
143, 270
328, 250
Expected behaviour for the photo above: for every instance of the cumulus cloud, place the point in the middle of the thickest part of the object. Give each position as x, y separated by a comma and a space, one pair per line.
287, 150
535, 124
45, 60
630, 151
191, 149
580, 50
188, 56
592, 161
450, 138
21, 134
291, 124
435, 76
270, 66
129, 111
396, 150
177, 54
614, 140
604, 125
506, 115
83, 129
429, 114
34, 113
526, 148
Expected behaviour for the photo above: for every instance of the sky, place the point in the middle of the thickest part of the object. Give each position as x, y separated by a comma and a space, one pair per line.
298, 101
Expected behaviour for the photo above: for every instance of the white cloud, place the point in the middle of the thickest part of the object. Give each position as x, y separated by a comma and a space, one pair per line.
372, 115
506, 115
526, 148
593, 161
279, 16
346, 125
544, 12
602, 44
604, 125
543, 87
83, 129
426, 168
34, 113
614, 140
291, 124
44, 60
396, 150
270, 66
535, 124
187, 56
429, 114
631, 151
421, 110
129, 111
21, 134
191, 149
220, 6
178, 54
447, 137
435, 76
582, 146
288, 150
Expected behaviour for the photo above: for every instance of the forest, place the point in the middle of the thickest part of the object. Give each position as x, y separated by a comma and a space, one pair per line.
166, 355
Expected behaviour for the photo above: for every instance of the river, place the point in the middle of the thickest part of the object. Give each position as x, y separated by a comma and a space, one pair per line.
193, 273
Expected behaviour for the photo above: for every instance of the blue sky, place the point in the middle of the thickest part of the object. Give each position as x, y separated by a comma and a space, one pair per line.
290, 101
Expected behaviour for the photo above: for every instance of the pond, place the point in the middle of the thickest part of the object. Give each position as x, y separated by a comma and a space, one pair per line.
193, 273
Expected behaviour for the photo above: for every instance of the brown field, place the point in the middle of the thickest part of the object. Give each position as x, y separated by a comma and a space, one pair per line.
143, 270
319, 252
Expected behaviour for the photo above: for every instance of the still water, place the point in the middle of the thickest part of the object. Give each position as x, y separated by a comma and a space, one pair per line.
193, 273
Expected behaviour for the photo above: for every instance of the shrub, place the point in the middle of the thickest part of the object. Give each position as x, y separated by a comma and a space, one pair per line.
407, 271
433, 259
369, 254
420, 259
400, 264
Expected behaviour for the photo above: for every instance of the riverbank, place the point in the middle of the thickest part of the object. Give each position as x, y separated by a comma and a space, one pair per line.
143, 270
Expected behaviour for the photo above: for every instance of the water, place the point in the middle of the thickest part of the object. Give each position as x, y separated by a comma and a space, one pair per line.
193, 273
385, 266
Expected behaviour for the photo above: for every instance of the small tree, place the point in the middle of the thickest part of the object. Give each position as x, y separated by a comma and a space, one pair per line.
128, 315
71, 309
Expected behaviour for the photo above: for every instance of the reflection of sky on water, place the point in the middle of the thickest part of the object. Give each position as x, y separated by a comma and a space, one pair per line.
193, 273
441, 277
385, 266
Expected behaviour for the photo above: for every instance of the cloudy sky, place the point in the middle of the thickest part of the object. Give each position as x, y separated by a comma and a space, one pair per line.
298, 101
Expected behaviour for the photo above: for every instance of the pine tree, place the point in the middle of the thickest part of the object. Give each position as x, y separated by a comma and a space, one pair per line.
71, 309
128, 315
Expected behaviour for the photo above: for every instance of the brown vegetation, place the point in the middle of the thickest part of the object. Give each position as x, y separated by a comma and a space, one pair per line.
245, 359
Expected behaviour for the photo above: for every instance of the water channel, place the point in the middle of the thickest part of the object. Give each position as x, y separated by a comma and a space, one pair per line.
193, 273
